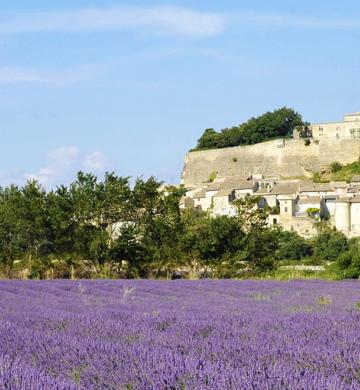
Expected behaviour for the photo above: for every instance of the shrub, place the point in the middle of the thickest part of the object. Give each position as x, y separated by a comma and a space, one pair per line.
329, 244
313, 212
307, 142
293, 247
212, 176
324, 300
335, 167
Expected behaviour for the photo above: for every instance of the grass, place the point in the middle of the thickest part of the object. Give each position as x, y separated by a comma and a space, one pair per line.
345, 173
295, 274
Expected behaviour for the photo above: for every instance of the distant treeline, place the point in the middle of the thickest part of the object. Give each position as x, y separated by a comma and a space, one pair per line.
111, 228
279, 123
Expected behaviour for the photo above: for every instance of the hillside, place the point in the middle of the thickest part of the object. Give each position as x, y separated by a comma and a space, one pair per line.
338, 172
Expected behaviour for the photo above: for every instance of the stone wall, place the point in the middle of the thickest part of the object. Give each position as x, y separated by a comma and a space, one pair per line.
273, 158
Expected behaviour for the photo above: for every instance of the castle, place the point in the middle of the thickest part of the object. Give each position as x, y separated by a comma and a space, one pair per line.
349, 128
279, 172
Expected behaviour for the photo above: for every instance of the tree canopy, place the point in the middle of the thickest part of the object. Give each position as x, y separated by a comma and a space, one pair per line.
115, 228
279, 123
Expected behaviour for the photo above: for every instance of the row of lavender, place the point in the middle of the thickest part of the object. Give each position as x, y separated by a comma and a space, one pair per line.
179, 335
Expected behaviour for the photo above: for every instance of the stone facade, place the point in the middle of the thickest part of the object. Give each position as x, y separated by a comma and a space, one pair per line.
292, 159
295, 204
272, 171
349, 128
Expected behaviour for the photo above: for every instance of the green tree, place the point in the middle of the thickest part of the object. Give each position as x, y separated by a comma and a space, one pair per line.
209, 140
260, 240
347, 265
329, 244
292, 246
12, 240
279, 123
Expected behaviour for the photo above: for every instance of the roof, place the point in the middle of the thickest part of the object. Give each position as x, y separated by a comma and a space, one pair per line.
354, 189
355, 178
355, 199
285, 188
224, 192
352, 114
309, 200
213, 186
315, 187
263, 191
237, 183
343, 200
339, 184
200, 194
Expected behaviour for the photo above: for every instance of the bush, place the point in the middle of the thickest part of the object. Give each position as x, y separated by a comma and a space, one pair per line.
313, 212
335, 167
293, 247
330, 244
347, 265
307, 142
212, 176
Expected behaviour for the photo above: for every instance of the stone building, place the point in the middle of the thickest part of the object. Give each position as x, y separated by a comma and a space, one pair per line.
349, 128
347, 215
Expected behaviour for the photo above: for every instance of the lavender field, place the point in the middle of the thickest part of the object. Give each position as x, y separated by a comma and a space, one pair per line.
179, 335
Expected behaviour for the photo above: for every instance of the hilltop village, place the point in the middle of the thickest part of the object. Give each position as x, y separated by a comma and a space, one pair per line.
294, 203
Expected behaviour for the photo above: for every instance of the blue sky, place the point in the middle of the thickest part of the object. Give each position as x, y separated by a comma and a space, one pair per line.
130, 86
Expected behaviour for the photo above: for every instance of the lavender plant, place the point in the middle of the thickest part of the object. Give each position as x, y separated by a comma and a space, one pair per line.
179, 335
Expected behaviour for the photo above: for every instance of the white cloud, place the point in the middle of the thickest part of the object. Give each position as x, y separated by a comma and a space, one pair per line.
64, 155
291, 21
95, 161
63, 163
172, 20
12, 75
159, 19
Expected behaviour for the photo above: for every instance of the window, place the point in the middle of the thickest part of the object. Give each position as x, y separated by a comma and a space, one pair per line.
274, 221
286, 209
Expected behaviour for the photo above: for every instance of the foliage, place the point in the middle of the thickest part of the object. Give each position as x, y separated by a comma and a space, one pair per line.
279, 123
212, 176
347, 265
335, 167
293, 247
110, 228
344, 172
313, 212
329, 244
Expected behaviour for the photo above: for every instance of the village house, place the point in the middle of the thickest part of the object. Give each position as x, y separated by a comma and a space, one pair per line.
340, 187
347, 215
304, 205
294, 204
315, 189
222, 203
355, 181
